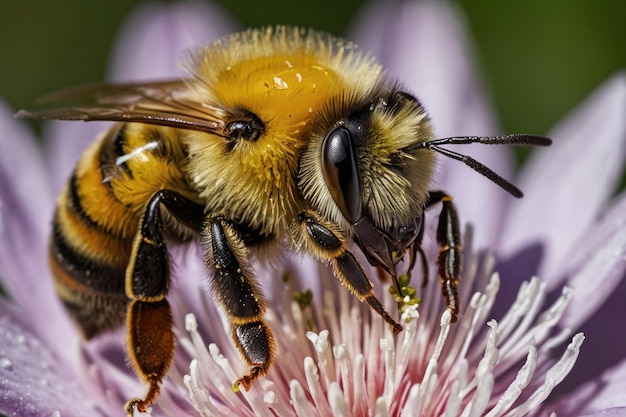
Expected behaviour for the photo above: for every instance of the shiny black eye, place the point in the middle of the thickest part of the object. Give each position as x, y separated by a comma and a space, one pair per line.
250, 127
340, 172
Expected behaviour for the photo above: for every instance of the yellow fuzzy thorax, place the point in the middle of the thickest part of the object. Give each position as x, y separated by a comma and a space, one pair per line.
287, 78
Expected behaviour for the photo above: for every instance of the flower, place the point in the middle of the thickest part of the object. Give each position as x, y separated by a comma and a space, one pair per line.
516, 340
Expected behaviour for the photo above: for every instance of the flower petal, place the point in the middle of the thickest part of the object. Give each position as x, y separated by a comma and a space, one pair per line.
25, 212
32, 379
569, 184
155, 35
609, 412
22, 172
597, 395
424, 44
598, 265
597, 273
66, 142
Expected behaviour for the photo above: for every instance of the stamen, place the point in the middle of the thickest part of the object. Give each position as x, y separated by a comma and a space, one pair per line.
343, 359
412, 406
513, 391
553, 377
300, 403
386, 346
320, 343
337, 401
420, 373
315, 389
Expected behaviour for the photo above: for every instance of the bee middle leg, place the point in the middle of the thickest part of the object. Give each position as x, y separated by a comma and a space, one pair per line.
326, 243
236, 291
150, 337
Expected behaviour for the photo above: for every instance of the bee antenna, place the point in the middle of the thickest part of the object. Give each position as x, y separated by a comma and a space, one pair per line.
520, 139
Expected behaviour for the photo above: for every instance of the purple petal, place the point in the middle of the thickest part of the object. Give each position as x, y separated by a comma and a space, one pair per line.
597, 272
66, 142
25, 212
597, 266
23, 171
33, 381
155, 35
597, 396
569, 184
425, 45
609, 412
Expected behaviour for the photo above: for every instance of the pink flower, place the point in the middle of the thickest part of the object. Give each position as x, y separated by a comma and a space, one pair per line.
514, 346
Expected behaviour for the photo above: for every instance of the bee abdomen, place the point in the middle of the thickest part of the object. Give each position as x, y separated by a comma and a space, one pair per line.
90, 247
91, 290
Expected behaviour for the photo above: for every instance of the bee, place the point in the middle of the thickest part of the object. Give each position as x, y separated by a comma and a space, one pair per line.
280, 138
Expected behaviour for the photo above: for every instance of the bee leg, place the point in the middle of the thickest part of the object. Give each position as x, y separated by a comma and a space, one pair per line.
236, 291
449, 241
416, 249
150, 337
325, 242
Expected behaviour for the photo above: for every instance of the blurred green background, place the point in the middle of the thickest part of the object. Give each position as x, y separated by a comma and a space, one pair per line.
539, 58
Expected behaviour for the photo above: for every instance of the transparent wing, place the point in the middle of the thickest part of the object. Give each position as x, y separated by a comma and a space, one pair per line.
165, 103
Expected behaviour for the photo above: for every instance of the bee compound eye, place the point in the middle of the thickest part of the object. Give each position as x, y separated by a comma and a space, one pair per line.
341, 173
249, 128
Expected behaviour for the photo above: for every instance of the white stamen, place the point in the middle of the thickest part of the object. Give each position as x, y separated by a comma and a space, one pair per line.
407, 345
553, 377
412, 406
523, 378
272, 400
343, 359
321, 345
315, 389
482, 395
459, 365
382, 409
337, 401
484, 372
360, 391
456, 391
302, 407
386, 346
454, 401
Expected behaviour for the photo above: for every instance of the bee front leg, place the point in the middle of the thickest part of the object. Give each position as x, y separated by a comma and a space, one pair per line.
324, 241
449, 241
236, 291
149, 319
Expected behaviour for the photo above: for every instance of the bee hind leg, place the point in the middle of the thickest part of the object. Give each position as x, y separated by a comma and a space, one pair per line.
150, 336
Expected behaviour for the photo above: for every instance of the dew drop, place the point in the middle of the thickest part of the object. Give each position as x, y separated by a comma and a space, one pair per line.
5, 363
55, 413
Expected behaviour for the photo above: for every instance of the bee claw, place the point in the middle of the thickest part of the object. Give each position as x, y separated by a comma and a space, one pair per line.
137, 403
247, 380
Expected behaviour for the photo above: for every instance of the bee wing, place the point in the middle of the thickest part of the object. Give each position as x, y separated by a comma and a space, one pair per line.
165, 103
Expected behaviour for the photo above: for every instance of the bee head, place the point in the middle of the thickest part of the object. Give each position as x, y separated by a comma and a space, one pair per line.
360, 175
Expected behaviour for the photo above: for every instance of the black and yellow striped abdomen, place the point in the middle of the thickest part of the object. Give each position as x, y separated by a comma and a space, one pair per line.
97, 217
